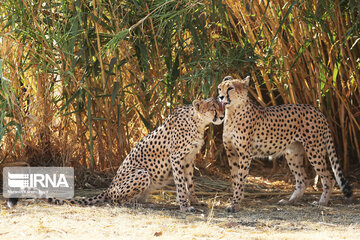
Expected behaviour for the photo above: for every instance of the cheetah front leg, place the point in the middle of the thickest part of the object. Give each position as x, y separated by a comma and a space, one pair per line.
239, 163
189, 178
177, 164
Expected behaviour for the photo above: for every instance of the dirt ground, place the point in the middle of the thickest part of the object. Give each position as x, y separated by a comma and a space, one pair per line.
259, 218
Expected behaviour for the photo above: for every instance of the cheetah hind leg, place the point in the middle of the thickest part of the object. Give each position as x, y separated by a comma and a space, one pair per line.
294, 155
316, 156
134, 186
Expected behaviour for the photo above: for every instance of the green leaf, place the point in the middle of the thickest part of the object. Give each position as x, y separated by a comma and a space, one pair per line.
146, 122
281, 25
114, 94
71, 99
89, 100
111, 67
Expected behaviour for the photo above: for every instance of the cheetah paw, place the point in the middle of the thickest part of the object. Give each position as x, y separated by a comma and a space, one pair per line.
232, 208
198, 203
194, 200
187, 209
284, 202
319, 204
190, 209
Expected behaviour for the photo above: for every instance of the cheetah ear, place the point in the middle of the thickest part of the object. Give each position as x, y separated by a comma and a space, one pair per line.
227, 78
196, 104
241, 84
246, 81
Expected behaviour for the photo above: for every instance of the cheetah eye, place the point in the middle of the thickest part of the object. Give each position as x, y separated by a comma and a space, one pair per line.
230, 88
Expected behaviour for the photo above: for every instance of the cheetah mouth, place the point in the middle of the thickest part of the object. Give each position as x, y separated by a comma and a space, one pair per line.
223, 105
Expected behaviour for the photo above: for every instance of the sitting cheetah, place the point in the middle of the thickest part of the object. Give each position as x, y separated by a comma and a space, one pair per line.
168, 150
295, 129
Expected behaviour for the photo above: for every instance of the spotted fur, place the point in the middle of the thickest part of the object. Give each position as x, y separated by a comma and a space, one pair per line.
167, 151
293, 130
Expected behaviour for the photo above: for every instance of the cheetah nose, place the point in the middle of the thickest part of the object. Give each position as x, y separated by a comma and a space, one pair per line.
221, 98
221, 118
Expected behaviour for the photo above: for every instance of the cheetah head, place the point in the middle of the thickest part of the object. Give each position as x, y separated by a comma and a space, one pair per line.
233, 91
209, 110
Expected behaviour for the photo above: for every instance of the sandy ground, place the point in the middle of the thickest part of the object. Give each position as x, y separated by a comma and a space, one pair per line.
259, 218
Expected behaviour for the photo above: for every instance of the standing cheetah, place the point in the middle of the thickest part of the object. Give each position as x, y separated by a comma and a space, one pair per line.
168, 150
294, 130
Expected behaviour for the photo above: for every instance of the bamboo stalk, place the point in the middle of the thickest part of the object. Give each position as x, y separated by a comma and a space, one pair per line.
203, 37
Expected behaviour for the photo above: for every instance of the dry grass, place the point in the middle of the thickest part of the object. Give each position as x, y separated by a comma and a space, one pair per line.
258, 221
259, 218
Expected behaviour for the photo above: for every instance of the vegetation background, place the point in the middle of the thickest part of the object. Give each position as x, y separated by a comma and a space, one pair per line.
83, 81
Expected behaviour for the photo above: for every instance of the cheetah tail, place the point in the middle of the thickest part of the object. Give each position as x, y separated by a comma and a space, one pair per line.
335, 165
102, 197
12, 202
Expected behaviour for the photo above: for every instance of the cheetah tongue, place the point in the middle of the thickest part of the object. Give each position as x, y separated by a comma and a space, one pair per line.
222, 106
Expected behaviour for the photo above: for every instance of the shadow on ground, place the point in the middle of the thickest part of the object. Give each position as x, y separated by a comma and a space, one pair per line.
260, 217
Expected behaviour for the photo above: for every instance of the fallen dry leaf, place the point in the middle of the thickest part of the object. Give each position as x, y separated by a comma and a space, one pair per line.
157, 234
231, 224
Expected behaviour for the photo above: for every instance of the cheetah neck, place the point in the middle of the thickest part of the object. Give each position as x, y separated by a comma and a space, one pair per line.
234, 108
199, 123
